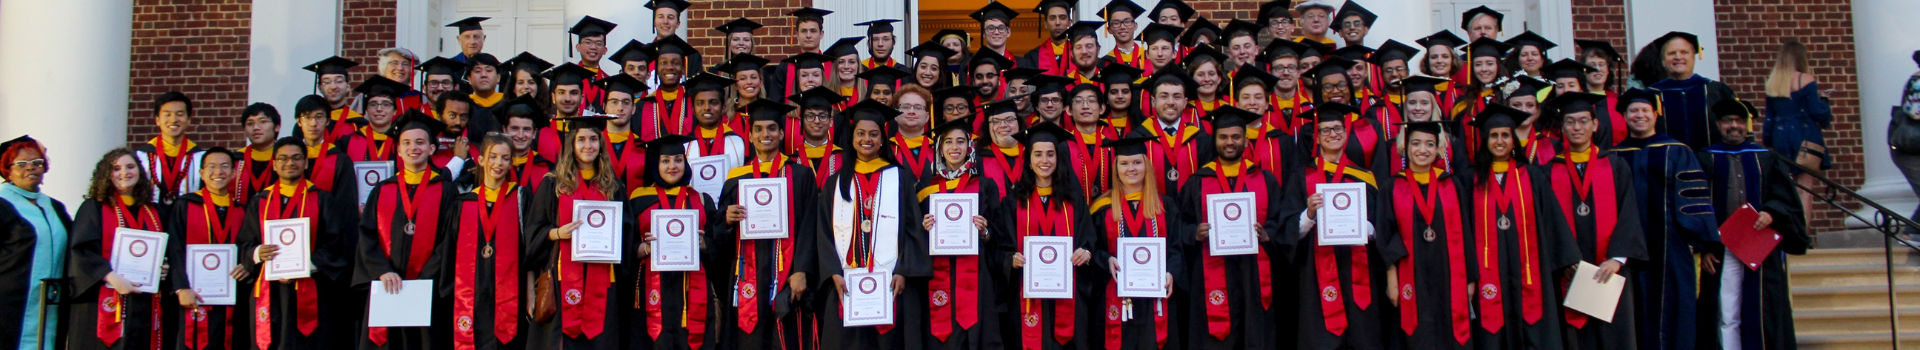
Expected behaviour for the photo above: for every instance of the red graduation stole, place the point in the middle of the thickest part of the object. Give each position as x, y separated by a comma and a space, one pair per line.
1326, 269
108, 328
172, 169
1511, 203
693, 312
955, 295
1409, 201
531, 173
910, 162
218, 231
1012, 166
423, 228
307, 297
583, 300
1179, 150
498, 225
320, 169
747, 280
358, 151
1134, 225
246, 184
1137, 58
667, 117
1572, 185
1034, 219
1094, 165
1052, 58
1214, 268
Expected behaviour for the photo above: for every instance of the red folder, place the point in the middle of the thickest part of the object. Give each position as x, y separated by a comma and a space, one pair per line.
1750, 245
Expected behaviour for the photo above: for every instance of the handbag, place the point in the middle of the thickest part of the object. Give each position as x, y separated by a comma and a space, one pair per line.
1904, 133
543, 300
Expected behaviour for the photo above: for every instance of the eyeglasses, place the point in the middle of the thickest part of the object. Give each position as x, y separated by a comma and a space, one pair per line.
1286, 68
1579, 121
381, 104
1329, 129
912, 107
955, 107
816, 115
1353, 23
1052, 100
1086, 101
997, 29
36, 163
997, 121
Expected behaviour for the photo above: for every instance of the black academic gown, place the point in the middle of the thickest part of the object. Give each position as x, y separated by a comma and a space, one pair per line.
545, 211
332, 255
142, 315
1151, 316
781, 320
910, 306
397, 249
1249, 314
227, 327
472, 269
686, 302
1586, 214
1436, 251
1013, 222
986, 333
1510, 264
1677, 217
1365, 326
1766, 317
16, 267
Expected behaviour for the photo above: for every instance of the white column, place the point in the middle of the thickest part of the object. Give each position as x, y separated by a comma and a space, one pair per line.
1883, 51
283, 43
65, 83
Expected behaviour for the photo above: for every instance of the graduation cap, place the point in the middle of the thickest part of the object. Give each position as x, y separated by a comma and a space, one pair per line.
1129, 146
768, 110
1527, 86
1106, 12
1353, 8
331, 65
1282, 48
738, 25
1024, 74
1354, 52
1330, 111
741, 63
1237, 26
819, 97
966, 92
666, 145
1529, 38
1047, 133
375, 86
568, 74
873, 111
526, 61
932, 49
883, 75
470, 23
988, 56
1498, 116
444, 66
1733, 107
1602, 46
589, 26
808, 60
1228, 116
944, 33
1330, 65
1198, 52
1200, 27
631, 52
1393, 50
961, 123
1576, 102
1007, 105
843, 48
810, 14
1157, 32
622, 83
522, 107
594, 122
1250, 74
878, 26
704, 81
1418, 83
1048, 4
995, 10
1661, 42
1316, 49
1566, 68
1046, 84
672, 44
1116, 73
1466, 18
1431, 127
1084, 29
482, 59
1631, 96
1487, 47
1444, 37
1272, 10
413, 119
676, 5
1180, 6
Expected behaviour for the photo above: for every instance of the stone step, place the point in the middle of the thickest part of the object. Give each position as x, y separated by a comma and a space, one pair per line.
1856, 275
1806, 298
1862, 341
1854, 321
1851, 256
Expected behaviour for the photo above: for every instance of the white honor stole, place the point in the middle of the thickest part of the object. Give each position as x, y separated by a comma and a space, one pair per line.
886, 227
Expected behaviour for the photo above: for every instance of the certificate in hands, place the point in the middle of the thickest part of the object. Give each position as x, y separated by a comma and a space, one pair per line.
869, 298
598, 238
709, 173
207, 268
1343, 214
953, 230
676, 240
1594, 298
137, 256
1049, 270
368, 174
1143, 264
1230, 220
294, 240
765, 201
413, 307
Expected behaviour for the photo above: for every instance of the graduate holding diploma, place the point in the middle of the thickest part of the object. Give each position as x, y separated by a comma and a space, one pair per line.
108, 311
589, 300
1337, 296
1235, 292
1134, 208
292, 307
770, 275
405, 233
675, 302
1045, 202
862, 209
1594, 192
963, 294
210, 217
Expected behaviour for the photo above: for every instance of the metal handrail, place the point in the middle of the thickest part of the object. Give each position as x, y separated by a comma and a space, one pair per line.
1885, 220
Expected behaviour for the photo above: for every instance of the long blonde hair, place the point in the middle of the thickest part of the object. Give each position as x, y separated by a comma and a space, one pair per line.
1788, 63
566, 170
1149, 195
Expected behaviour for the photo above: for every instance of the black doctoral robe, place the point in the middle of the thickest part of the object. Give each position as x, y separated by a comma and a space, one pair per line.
548, 210
1676, 216
1364, 325
227, 327
1435, 251
338, 310
479, 256
781, 321
913, 263
1522, 275
1151, 316
1249, 315
1766, 308
16, 268
142, 316
1624, 241
686, 301
397, 249
1012, 221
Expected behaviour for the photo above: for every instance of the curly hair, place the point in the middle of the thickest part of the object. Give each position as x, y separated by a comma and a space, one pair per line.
102, 189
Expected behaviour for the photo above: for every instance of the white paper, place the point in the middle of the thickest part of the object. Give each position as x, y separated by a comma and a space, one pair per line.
765, 201
1143, 267
598, 238
294, 240
953, 230
869, 298
413, 307
368, 174
1049, 270
137, 256
1343, 214
709, 173
1230, 220
676, 240
207, 268
1591, 297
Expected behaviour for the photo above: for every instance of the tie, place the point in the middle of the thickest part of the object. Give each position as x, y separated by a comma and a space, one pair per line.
1169, 130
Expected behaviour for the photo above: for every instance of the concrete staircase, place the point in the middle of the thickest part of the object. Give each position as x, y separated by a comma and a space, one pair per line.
1840, 298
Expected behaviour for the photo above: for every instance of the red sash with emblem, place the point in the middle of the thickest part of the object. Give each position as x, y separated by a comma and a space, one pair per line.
218, 231
954, 294
1576, 188
1035, 217
583, 293
1327, 270
1134, 225
304, 204
1406, 203
498, 225
422, 227
1219, 319
108, 328
693, 313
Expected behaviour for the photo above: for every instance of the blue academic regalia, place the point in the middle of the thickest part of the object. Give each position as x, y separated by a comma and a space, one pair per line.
1687, 109
1766, 317
1677, 216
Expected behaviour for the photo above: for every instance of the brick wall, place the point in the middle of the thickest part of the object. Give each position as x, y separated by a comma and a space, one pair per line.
1750, 31
774, 41
1601, 20
198, 47
366, 26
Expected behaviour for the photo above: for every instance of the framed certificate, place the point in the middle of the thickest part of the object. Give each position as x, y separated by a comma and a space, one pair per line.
709, 173
766, 203
207, 268
598, 239
1230, 219
368, 174
294, 240
869, 298
1049, 270
1143, 264
953, 230
1343, 214
137, 256
676, 240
